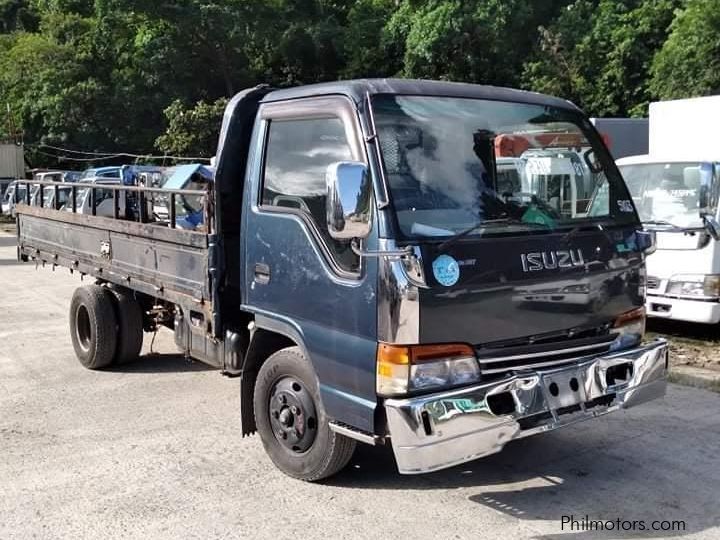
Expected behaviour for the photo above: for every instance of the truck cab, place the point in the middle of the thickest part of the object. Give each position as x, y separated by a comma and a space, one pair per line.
364, 272
406, 302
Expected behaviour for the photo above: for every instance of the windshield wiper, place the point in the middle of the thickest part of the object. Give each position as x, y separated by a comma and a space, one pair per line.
481, 224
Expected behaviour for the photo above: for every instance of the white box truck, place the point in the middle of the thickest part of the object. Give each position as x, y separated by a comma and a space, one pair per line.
676, 188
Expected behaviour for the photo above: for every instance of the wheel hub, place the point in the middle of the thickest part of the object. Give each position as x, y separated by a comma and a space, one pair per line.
82, 327
292, 415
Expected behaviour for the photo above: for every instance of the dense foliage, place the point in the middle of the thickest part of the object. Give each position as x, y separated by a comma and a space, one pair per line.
152, 77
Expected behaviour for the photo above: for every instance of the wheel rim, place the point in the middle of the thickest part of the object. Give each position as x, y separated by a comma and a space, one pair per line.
82, 327
292, 415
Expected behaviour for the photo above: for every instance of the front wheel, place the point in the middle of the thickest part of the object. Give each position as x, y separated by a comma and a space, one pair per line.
291, 420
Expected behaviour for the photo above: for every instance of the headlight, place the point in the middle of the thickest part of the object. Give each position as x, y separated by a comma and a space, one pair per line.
629, 328
694, 285
585, 289
406, 368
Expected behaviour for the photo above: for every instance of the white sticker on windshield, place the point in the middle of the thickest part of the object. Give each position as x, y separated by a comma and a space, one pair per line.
446, 270
536, 166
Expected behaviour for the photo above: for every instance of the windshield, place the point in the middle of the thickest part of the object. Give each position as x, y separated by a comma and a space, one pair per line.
668, 192
21, 193
99, 173
454, 163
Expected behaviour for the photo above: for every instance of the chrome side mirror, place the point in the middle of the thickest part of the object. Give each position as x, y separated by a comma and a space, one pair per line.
712, 226
348, 204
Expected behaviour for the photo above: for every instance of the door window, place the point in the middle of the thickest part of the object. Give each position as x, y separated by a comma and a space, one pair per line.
297, 157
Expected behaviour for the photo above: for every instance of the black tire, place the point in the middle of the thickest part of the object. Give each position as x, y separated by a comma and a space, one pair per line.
93, 326
130, 326
328, 452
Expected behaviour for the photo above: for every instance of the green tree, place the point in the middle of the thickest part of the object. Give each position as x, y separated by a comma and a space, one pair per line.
598, 54
18, 15
115, 75
192, 131
468, 40
371, 50
688, 64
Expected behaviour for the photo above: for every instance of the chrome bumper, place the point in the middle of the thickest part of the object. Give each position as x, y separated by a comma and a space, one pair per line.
436, 431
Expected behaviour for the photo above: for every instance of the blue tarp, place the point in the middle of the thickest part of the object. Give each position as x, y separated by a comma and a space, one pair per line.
182, 174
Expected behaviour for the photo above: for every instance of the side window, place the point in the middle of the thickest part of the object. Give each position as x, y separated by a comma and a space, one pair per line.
297, 157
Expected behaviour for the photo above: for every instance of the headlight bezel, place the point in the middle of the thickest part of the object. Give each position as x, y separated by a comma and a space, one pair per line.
701, 286
403, 370
579, 288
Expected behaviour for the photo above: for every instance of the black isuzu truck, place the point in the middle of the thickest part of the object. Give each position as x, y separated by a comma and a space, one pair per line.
440, 267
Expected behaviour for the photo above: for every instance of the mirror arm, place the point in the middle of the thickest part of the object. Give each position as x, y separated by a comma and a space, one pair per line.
405, 253
711, 226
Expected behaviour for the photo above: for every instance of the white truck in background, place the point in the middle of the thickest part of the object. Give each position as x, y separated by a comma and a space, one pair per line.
676, 187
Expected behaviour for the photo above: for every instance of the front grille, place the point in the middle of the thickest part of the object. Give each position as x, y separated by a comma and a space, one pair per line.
653, 282
499, 360
542, 291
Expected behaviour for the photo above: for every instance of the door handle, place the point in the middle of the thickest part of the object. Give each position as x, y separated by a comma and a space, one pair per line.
262, 273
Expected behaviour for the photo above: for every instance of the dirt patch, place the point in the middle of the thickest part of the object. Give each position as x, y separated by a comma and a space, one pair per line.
694, 345
7, 223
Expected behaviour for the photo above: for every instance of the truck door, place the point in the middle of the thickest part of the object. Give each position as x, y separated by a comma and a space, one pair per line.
298, 279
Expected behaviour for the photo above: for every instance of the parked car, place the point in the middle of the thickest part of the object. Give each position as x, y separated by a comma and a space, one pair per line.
57, 176
16, 190
63, 196
127, 173
104, 198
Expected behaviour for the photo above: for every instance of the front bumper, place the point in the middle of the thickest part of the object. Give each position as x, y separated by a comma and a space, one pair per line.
440, 430
682, 309
578, 299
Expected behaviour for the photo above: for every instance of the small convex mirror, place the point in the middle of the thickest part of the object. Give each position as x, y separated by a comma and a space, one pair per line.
348, 200
701, 178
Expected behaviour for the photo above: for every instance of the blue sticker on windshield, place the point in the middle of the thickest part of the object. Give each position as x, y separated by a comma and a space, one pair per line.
446, 270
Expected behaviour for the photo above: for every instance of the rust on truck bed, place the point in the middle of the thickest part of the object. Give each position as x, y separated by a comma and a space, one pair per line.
153, 258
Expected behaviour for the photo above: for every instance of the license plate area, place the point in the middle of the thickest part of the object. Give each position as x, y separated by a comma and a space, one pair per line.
563, 389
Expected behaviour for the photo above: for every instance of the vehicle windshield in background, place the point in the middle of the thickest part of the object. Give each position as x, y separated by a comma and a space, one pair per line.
457, 165
667, 193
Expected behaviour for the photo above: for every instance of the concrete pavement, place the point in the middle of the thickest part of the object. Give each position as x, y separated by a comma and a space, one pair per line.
152, 450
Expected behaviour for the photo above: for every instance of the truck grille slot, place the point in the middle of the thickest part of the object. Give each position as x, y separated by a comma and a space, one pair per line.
653, 282
502, 360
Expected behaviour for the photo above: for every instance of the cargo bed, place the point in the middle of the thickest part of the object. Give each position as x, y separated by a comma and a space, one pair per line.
152, 258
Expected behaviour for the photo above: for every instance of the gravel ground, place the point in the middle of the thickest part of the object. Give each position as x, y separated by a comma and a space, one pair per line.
693, 345
152, 450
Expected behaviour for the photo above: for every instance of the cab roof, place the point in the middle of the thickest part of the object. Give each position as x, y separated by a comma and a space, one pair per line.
357, 89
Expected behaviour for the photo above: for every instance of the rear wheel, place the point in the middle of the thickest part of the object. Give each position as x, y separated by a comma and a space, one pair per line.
291, 420
130, 326
93, 326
